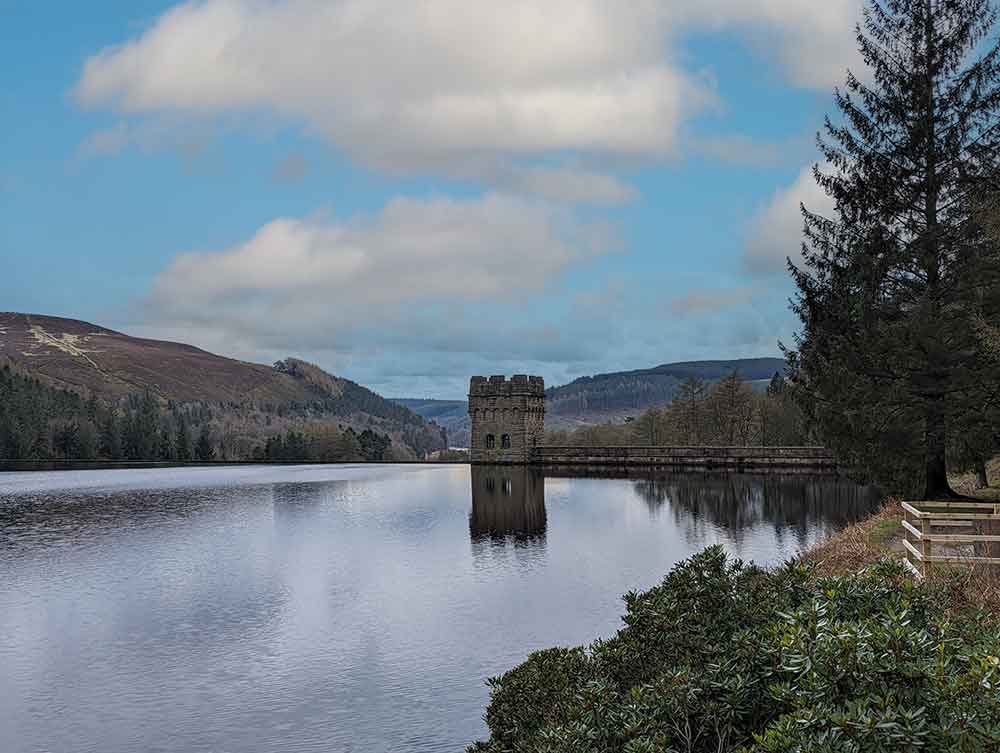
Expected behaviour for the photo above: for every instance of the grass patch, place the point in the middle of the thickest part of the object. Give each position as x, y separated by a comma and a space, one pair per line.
861, 544
883, 531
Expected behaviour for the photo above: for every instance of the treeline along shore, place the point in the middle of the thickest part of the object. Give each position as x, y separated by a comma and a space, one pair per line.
42, 423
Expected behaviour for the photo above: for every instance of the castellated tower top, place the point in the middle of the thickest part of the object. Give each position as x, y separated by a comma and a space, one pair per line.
499, 386
508, 418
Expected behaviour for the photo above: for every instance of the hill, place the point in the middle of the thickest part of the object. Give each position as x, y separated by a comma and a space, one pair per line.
93, 360
110, 366
605, 397
452, 415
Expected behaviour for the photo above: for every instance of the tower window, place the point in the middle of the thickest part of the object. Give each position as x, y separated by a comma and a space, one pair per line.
505, 441
491, 441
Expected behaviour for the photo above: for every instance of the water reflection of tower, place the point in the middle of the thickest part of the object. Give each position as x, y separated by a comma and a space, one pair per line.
507, 502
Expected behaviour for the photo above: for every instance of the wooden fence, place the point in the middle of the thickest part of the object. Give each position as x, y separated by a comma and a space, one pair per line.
951, 533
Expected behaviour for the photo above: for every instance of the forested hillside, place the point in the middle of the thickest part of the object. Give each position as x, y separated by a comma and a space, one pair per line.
451, 415
38, 422
77, 374
631, 391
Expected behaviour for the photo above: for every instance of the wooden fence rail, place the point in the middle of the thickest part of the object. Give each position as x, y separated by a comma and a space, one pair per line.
962, 542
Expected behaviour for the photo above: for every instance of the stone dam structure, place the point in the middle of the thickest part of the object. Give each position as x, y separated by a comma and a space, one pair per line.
508, 428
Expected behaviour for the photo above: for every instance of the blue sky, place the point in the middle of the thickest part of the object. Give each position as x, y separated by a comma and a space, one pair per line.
410, 193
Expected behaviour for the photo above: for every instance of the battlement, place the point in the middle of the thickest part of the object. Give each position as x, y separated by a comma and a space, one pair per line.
500, 386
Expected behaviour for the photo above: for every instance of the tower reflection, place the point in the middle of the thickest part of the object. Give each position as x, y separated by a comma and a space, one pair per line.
507, 503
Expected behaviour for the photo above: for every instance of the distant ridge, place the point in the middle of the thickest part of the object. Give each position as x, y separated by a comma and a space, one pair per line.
453, 415
750, 368
606, 397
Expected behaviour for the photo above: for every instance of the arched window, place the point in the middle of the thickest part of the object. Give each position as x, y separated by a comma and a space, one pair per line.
505, 441
491, 441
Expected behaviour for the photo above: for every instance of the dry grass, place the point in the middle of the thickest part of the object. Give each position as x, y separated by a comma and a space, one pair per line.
860, 544
970, 587
879, 536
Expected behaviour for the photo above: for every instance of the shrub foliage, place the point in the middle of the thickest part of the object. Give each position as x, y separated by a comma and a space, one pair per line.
725, 656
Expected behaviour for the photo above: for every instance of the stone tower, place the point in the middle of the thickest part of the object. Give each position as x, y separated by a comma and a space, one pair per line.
508, 418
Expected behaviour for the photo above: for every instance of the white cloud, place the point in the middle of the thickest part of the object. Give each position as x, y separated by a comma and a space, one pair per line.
317, 278
813, 40
562, 184
776, 231
414, 82
429, 85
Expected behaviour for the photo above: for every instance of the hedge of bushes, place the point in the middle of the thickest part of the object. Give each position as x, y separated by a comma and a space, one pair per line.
725, 656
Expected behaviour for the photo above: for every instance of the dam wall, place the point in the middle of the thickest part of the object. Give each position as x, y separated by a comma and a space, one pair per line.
729, 458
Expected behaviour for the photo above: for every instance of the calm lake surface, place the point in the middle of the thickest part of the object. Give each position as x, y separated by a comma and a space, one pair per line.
335, 608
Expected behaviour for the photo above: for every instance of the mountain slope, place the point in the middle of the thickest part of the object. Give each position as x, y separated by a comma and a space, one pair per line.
452, 415
109, 365
76, 355
625, 392
605, 397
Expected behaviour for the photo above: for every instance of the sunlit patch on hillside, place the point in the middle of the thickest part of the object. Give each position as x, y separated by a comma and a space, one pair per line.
67, 343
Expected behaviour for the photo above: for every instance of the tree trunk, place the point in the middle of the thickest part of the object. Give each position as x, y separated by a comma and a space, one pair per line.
982, 480
937, 486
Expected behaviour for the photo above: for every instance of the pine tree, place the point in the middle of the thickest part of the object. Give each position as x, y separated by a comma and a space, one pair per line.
887, 358
182, 444
165, 445
146, 423
111, 437
204, 450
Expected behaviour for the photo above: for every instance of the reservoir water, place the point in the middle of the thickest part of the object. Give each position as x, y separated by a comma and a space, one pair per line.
335, 608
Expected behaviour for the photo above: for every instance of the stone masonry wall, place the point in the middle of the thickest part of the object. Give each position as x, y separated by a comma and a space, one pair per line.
499, 408
703, 457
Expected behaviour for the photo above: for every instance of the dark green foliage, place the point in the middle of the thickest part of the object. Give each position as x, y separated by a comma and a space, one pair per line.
727, 657
374, 447
782, 423
38, 422
166, 448
141, 433
888, 364
204, 449
331, 446
182, 443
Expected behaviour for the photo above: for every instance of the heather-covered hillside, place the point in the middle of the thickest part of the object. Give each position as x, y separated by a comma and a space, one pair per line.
243, 404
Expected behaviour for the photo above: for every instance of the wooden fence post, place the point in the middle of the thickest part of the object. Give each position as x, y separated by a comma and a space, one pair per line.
925, 530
